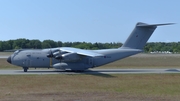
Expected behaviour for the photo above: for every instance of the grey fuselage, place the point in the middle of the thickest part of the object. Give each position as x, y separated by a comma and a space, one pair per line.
38, 58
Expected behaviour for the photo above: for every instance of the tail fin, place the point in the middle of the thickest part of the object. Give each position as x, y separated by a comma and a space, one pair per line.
140, 35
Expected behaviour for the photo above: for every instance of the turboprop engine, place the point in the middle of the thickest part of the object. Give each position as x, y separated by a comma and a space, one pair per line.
60, 65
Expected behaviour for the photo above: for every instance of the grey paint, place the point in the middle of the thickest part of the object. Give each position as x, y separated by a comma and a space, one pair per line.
79, 59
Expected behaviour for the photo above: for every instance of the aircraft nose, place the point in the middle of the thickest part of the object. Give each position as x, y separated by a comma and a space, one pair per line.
9, 59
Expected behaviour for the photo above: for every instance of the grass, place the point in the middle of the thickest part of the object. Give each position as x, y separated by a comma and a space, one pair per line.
147, 61
5, 53
5, 65
131, 87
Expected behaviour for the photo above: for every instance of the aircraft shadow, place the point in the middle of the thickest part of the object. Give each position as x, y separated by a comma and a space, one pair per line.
97, 73
88, 72
108, 73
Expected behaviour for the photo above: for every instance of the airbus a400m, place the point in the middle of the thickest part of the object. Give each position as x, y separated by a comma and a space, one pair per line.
75, 59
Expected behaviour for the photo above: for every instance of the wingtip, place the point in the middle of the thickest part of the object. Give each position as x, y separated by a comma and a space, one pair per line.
168, 23
171, 23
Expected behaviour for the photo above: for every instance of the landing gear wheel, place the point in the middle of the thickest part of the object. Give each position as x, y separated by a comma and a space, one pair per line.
78, 71
25, 69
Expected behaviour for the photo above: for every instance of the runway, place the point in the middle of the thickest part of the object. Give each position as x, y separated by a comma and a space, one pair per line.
4, 57
92, 71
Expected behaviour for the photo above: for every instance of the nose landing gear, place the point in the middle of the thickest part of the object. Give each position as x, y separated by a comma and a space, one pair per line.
25, 69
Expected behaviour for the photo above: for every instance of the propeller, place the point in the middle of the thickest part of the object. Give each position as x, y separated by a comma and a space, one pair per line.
58, 57
51, 55
57, 54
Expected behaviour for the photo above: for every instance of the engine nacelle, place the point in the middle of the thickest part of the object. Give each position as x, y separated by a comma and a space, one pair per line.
60, 65
70, 57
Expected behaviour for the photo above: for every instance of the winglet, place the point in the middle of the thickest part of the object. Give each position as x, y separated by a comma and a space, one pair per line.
140, 24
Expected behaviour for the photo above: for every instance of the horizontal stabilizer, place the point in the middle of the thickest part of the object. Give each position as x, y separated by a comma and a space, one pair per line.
148, 25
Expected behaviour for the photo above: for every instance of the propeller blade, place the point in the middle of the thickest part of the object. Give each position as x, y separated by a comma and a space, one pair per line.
50, 54
59, 57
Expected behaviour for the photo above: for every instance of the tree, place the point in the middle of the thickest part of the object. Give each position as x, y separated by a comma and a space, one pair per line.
1, 46
49, 44
35, 44
59, 44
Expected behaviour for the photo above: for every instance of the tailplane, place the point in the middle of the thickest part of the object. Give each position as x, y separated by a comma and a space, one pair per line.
140, 35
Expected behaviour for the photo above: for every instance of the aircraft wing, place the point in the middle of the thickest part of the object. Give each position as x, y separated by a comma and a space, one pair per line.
81, 51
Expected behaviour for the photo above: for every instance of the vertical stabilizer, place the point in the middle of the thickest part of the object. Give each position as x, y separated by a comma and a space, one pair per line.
140, 35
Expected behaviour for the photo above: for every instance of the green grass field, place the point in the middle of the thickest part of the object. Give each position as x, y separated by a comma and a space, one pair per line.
147, 61
85, 87
129, 87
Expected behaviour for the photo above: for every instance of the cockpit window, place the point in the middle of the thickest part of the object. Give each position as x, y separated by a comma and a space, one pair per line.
17, 51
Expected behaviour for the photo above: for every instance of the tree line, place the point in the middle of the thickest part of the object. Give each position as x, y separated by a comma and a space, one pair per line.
37, 44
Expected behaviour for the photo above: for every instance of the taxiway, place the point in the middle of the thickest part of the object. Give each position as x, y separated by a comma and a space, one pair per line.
91, 71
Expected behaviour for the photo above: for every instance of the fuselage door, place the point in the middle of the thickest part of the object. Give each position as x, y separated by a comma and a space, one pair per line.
28, 61
91, 62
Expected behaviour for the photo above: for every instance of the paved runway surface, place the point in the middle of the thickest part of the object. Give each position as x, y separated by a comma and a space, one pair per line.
92, 71
4, 57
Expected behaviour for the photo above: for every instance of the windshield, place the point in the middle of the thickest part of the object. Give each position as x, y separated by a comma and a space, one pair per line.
17, 51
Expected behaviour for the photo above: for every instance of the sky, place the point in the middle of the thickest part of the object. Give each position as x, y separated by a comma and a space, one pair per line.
87, 20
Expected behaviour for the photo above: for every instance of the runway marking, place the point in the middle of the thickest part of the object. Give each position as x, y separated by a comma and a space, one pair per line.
91, 71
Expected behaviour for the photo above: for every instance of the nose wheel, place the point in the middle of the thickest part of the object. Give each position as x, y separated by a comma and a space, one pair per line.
25, 69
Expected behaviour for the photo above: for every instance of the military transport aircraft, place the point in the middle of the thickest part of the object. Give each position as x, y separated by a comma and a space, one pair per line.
68, 58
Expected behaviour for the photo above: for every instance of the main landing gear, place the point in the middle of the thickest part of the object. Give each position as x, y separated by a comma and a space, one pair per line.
78, 71
25, 69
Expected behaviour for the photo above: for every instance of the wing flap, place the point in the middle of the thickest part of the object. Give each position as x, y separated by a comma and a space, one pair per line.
81, 51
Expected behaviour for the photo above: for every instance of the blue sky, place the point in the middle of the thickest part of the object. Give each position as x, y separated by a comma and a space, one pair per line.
87, 20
